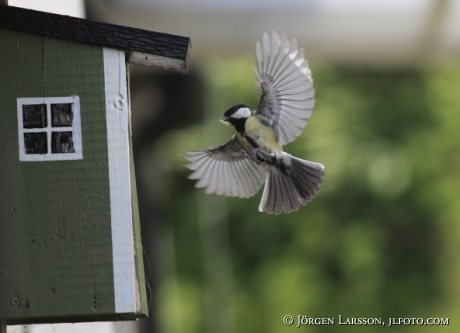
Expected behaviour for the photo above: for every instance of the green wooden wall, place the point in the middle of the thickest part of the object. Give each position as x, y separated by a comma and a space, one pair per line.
55, 232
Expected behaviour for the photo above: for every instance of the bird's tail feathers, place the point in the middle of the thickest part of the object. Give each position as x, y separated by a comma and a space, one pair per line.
297, 184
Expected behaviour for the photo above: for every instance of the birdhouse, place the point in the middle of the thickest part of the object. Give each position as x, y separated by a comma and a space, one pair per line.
70, 244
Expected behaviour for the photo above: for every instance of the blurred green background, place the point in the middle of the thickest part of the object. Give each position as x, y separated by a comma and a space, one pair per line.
380, 240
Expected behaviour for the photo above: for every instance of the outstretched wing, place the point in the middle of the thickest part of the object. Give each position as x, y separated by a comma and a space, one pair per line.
225, 171
285, 86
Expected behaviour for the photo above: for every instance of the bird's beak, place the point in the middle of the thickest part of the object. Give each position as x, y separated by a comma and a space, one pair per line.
224, 121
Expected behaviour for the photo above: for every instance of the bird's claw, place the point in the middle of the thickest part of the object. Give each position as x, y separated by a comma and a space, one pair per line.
258, 155
251, 157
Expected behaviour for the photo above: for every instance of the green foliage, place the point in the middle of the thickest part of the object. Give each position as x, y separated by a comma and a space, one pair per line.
379, 241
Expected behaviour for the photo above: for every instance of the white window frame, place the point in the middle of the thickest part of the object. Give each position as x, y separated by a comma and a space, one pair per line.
75, 129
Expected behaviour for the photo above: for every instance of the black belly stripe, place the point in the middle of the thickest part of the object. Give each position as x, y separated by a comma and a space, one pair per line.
251, 141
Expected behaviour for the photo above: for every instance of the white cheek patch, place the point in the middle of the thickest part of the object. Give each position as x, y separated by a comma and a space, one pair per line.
242, 113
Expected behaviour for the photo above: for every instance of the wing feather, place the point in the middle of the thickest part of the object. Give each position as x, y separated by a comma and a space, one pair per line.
223, 170
266, 48
285, 85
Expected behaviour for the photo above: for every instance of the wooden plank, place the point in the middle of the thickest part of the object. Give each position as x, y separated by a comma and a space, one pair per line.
117, 118
138, 249
147, 48
55, 216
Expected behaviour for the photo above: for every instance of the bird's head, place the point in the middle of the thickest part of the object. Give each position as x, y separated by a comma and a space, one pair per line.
236, 114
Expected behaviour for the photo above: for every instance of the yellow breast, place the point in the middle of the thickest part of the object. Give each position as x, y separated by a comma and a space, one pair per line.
263, 136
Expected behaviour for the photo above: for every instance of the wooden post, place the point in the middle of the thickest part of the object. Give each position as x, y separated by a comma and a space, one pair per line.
2, 322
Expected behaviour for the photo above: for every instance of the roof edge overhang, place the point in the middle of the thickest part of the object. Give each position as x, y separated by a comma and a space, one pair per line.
143, 47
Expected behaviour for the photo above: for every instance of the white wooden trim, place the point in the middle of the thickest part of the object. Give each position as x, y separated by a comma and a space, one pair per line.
116, 95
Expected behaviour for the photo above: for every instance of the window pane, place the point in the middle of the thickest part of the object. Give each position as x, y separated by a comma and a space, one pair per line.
36, 143
34, 116
62, 142
61, 115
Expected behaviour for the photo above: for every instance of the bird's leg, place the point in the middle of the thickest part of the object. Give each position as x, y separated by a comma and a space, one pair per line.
258, 155
245, 153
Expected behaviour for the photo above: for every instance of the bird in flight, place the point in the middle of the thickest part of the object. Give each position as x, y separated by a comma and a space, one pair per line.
254, 154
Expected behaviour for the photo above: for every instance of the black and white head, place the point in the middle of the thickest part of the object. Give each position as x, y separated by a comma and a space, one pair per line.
237, 114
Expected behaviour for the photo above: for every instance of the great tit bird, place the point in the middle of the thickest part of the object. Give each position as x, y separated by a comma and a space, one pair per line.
255, 155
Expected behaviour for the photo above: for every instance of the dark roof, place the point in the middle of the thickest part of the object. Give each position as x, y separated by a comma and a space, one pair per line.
143, 47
